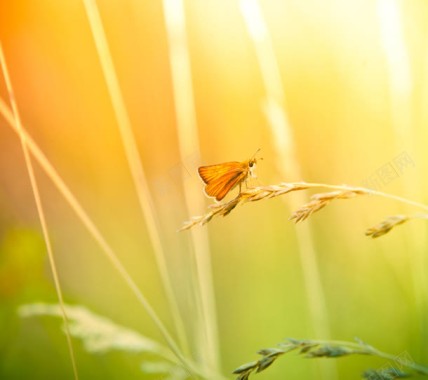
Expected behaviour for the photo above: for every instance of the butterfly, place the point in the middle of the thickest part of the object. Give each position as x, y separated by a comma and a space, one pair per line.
222, 178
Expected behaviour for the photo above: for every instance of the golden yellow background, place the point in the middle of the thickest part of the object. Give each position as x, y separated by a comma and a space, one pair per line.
354, 76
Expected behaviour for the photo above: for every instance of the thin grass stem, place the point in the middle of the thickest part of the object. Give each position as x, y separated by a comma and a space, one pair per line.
175, 23
40, 210
134, 162
314, 349
401, 82
318, 201
97, 235
274, 107
369, 191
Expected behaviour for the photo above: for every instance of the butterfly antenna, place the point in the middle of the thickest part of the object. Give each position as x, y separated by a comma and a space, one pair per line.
254, 155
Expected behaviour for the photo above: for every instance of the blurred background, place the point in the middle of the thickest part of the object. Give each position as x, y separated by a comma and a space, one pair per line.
332, 92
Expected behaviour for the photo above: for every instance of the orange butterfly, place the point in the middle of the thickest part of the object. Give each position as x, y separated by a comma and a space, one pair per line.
222, 178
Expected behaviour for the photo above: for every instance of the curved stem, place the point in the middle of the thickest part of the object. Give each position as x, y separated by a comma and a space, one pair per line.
369, 191
365, 349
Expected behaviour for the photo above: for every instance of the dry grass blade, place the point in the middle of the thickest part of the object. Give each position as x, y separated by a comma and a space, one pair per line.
250, 195
265, 192
308, 209
319, 201
39, 205
386, 225
389, 223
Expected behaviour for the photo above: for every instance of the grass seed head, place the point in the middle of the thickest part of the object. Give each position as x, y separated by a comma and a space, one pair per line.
386, 225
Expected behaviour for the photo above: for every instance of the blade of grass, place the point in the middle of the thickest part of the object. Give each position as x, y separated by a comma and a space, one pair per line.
317, 201
401, 85
333, 349
189, 145
96, 234
289, 166
40, 210
134, 162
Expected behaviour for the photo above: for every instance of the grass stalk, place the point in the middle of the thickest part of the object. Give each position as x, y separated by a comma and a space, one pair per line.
134, 162
284, 146
175, 24
313, 349
96, 234
40, 210
401, 82
318, 201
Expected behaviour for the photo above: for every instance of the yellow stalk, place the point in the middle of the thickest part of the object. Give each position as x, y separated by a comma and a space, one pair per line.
274, 106
39, 206
134, 162
189, 145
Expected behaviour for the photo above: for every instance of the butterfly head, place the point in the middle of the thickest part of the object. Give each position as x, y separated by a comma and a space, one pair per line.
252, 164
252, 167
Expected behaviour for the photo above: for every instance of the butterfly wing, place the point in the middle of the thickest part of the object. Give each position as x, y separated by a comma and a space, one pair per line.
219, 189
222, 178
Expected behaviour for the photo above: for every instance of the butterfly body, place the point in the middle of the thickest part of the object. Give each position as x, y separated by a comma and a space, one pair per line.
222, 178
